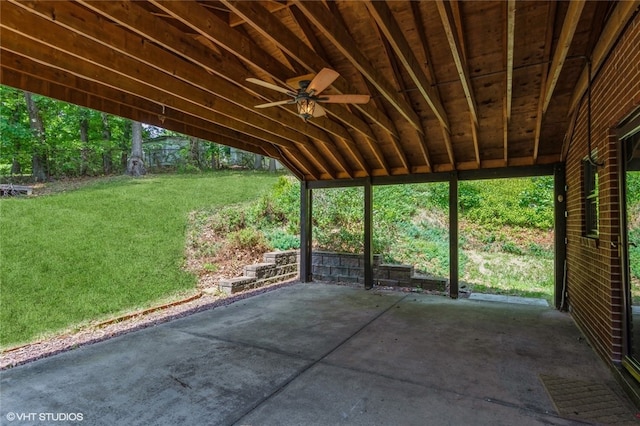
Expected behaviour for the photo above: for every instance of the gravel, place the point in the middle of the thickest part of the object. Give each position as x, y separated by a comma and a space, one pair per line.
122, 325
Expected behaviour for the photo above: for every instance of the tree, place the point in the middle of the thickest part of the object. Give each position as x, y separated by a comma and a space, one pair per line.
257, 162
107, 160
135, 165
16, 140
194, 152
84, 139
39, 157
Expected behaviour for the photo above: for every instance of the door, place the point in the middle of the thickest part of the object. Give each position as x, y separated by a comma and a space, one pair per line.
629, 135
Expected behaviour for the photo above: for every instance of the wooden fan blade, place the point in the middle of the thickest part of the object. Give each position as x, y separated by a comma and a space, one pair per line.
270, 104
323, 80
270, 86
345, 99
318, 111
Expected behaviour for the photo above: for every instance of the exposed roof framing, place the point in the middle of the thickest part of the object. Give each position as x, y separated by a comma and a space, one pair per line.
455, 85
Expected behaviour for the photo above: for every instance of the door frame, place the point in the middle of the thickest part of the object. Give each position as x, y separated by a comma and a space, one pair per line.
629, 127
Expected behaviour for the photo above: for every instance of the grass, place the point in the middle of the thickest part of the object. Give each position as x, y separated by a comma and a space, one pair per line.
509, 274
113, 245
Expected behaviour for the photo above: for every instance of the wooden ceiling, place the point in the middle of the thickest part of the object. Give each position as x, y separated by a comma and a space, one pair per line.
454, 85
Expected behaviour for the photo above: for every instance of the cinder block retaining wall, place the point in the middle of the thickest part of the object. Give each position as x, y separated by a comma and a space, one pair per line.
346, 267
328, 266
278, 266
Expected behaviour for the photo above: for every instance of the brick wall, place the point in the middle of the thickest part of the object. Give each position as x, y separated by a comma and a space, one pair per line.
594, 269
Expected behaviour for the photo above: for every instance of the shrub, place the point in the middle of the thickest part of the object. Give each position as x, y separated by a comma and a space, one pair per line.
248, 238
281, 240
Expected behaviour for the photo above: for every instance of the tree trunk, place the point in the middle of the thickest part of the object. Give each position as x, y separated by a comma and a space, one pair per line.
235, 156
107, 161
215, 157
16, 168
194, 152
135, 165
272, 165
257, 162
38, 158
84, 138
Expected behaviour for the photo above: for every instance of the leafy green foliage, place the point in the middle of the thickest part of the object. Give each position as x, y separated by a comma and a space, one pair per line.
65, 153
411, 222
514, 202
247, 238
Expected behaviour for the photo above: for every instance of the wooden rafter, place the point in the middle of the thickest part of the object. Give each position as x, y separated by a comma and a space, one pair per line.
403, 89
446, 16
254, 14
99, 62
456, 47
214, 83
430, 75
551, 12
27, 74
560, 54
390, 28
213, 28
510, 25
319, 15
170, 38
182, 64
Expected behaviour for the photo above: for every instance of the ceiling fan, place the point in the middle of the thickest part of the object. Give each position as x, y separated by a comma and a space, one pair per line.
307, 97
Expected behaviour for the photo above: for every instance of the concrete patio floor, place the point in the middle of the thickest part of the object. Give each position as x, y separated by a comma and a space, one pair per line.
317, 354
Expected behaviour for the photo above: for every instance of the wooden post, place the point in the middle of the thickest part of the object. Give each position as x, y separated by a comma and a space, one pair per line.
306, 229
560, 235
453, 236
368, 235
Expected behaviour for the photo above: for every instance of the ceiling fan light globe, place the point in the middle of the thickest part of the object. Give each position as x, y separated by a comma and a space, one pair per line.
306, 106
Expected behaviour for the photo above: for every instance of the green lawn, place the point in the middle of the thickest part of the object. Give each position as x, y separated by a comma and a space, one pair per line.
111, 246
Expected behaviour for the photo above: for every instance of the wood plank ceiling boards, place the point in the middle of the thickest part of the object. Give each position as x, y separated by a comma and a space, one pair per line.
454, 85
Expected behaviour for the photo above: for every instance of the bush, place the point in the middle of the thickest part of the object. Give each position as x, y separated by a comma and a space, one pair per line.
281, 240
248, 238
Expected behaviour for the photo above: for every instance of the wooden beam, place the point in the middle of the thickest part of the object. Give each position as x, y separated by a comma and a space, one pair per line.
188, 73
319, 15
566, 142
216, 30
446, 16
394, 35
368, 235
453, 237
623, 11
449, 147
147, 59
457, 51
564, 43
397, 76
510, 37
559, 234
306, 231
551, 13
430, 74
